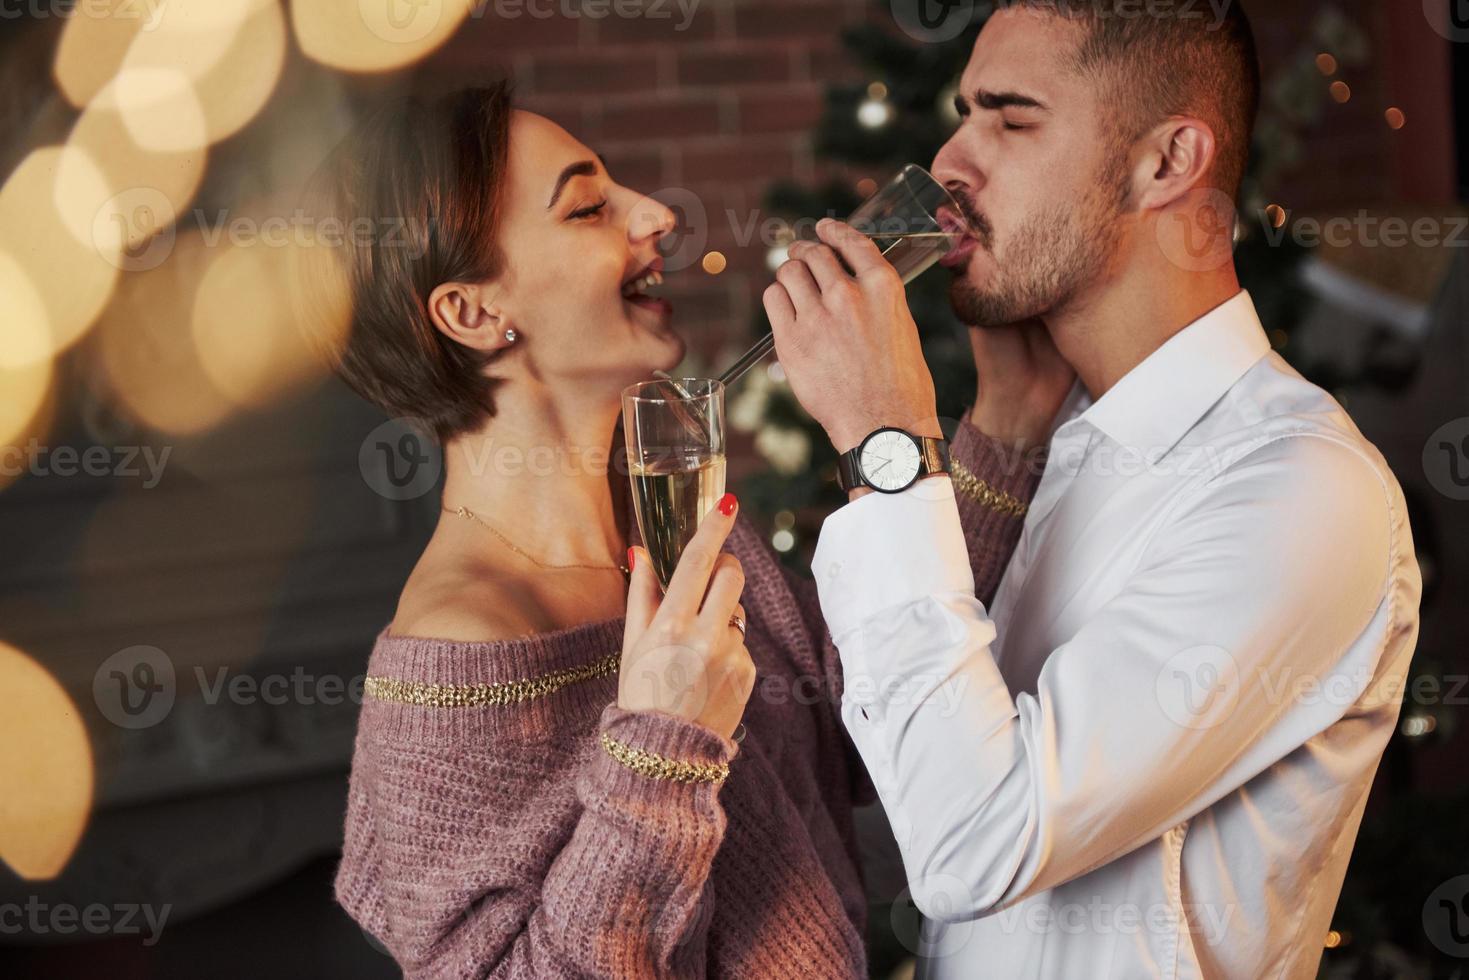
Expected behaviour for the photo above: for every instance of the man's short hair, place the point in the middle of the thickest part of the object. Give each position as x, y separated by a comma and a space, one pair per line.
1155, 60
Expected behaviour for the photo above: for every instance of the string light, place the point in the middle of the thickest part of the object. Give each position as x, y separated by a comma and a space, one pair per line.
1417, 726
1395, 118
1341, 91
875, 112
1326, 64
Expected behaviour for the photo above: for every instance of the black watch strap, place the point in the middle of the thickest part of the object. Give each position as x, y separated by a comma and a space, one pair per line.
933, 457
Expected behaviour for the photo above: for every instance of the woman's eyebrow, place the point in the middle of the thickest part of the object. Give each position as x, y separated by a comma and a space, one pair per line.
581, 168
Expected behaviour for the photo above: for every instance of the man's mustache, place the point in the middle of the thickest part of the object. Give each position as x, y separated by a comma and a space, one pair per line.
984, 232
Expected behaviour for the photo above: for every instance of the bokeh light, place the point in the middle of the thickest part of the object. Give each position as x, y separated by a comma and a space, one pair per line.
25, 362
92, 48
46, 769
72, 277
238, 87
1395, 118
148, 189
244, 324
372, 37
159, 109
223, 59
191, 36
147, 351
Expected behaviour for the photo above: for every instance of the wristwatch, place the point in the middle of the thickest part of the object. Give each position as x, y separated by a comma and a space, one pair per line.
891, 460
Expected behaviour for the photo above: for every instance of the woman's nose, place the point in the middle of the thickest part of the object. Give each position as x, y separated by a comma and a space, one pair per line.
648, 219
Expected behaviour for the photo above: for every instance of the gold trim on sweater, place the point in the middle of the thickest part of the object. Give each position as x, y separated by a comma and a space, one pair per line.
478, 695
972, 486
655, 766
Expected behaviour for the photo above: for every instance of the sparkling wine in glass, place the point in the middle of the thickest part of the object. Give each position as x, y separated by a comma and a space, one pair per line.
913, 221
675, 453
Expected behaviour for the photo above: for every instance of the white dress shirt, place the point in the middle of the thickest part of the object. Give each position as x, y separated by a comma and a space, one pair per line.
1150, 757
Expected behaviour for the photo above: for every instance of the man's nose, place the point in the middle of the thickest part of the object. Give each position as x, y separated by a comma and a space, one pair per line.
949, 167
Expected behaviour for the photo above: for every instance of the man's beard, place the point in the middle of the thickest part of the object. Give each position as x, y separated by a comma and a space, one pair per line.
1043, 263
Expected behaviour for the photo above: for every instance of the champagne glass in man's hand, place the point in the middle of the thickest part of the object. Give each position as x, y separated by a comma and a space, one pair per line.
847, 342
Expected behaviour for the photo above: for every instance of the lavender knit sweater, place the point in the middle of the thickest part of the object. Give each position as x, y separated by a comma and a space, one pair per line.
491, 832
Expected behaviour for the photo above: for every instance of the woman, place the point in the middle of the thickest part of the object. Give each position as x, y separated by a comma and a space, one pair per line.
546, 779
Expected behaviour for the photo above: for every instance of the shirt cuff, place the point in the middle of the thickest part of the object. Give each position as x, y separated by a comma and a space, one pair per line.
886, 550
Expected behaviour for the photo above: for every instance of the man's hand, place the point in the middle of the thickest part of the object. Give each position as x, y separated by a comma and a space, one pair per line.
847, 341
1023, 379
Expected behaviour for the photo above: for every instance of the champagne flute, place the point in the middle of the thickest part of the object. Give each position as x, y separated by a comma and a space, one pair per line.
674, 432
913, 221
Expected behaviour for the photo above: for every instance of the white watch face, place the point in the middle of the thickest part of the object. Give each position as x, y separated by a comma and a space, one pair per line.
890, 460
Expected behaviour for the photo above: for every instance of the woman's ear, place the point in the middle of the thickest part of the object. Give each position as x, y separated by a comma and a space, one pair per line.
1178, 157
467, 314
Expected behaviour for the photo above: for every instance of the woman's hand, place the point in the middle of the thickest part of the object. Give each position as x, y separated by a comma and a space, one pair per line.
1023, 380
680, 653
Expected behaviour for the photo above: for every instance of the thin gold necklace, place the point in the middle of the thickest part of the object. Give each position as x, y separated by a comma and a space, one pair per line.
465, 512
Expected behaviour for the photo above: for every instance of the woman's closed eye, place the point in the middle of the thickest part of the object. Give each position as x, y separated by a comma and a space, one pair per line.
589, 211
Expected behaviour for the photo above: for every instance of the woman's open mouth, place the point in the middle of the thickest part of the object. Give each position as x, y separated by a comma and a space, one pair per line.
634, 291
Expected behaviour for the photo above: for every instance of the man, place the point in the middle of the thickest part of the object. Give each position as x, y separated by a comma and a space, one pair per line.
1171, 713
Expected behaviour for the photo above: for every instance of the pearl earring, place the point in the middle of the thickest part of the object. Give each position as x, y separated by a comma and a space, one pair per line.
510, 335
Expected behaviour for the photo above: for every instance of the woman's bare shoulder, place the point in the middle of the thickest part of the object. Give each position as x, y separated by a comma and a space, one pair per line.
453, 600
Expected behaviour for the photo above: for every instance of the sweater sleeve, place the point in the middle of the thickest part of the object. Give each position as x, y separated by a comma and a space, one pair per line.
511, 864
993, 485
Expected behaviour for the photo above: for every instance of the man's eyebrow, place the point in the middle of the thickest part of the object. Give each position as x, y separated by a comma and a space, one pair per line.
582, 168
1006, 100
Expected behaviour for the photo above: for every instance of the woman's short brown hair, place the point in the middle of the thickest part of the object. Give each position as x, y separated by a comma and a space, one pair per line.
408, 200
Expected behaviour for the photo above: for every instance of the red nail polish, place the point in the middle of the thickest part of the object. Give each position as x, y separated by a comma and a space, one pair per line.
727, 504
632, 558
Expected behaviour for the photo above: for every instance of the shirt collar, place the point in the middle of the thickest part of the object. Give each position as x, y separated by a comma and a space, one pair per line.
1159, 400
